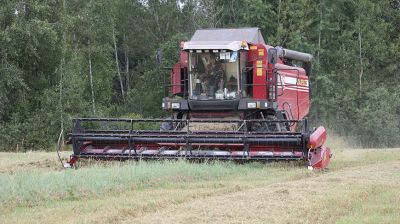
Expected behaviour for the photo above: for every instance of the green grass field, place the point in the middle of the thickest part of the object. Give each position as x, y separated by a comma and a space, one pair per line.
361, 186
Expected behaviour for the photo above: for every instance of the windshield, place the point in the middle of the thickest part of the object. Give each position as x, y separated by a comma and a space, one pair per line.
214, 75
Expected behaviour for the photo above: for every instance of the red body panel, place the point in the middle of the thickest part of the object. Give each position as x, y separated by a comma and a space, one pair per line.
258, 57
292, 83
176, 79
184, 59
293, 91
178, 72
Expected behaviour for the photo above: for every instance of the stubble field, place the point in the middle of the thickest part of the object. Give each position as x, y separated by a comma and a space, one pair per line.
361, 186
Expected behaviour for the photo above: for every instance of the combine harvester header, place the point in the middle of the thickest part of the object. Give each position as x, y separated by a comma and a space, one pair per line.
230, 97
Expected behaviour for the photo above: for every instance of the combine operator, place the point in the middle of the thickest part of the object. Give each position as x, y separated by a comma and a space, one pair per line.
212, 81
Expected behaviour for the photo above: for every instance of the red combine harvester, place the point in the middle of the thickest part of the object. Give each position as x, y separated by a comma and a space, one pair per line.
231, 97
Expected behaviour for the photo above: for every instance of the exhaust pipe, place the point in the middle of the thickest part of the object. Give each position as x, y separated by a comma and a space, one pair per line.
297, 55
281, 52
294, 55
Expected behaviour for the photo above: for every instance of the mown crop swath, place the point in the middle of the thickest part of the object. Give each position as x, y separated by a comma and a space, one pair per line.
231, 97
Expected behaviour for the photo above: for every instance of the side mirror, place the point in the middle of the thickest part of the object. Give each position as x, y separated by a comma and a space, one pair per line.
272, 55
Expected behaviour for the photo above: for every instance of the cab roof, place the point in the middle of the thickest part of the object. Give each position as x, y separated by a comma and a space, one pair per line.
251, 35
225, 38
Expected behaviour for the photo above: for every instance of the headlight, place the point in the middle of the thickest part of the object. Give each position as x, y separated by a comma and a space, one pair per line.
266, 104
251, 105
163, 105
175, 105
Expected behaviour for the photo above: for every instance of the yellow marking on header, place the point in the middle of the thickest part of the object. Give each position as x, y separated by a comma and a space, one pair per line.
260, 52
253, 47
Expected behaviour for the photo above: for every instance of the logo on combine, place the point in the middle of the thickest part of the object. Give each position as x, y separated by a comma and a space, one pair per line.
302, 82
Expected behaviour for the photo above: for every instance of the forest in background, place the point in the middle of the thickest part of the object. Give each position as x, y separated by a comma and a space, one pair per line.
61, 59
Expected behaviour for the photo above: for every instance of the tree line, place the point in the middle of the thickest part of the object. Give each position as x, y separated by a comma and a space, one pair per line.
61, 59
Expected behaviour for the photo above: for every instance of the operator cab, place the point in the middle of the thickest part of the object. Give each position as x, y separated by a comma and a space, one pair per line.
214, 75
